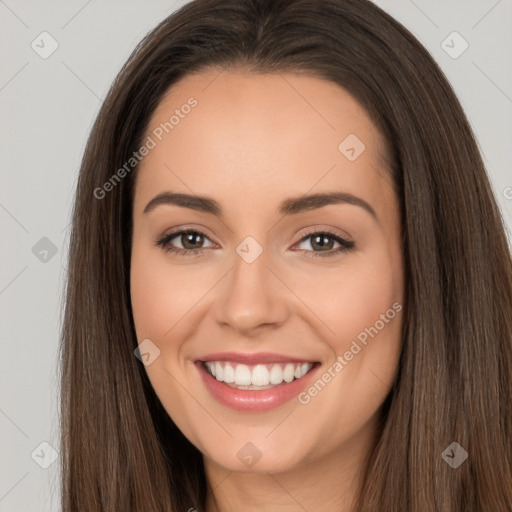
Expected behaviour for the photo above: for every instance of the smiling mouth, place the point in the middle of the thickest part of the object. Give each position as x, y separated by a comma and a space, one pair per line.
257, 376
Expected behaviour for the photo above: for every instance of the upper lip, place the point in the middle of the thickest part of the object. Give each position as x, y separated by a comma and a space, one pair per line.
253, 358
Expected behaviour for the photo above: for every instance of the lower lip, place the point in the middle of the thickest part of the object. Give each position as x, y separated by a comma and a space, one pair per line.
254, 400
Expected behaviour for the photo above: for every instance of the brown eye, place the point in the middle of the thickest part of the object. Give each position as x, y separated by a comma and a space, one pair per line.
191, 242
322, 243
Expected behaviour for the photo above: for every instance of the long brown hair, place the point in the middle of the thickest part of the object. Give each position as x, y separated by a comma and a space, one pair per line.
120, 449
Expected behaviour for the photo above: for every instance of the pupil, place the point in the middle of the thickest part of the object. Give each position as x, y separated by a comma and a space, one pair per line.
320, 241
189, 237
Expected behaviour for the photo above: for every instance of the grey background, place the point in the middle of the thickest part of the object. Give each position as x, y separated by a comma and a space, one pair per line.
47, 109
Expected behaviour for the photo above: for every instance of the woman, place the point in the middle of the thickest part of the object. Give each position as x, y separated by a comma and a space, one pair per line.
240, 141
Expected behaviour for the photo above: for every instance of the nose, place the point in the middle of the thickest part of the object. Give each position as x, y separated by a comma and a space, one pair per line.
252, 297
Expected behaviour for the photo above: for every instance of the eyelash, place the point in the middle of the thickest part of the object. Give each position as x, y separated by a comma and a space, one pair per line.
345, 245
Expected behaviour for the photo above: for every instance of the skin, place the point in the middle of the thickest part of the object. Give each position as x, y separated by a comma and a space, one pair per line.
251, 142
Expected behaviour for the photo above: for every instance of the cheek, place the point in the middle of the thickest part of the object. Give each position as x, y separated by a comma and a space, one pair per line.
360, 305
351, 298
161, 293
151, 300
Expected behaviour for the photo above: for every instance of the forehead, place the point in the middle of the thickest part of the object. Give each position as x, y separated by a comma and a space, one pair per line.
263, 136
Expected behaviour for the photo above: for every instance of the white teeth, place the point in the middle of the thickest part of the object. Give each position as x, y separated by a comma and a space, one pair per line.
219, 372
276, 374
211, 367
260, 375
289, 372
229, 373
242, 375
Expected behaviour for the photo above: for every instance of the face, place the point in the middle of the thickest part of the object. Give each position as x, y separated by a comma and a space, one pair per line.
266, 249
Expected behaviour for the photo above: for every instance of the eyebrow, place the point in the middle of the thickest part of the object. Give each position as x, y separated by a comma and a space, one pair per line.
290, 206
